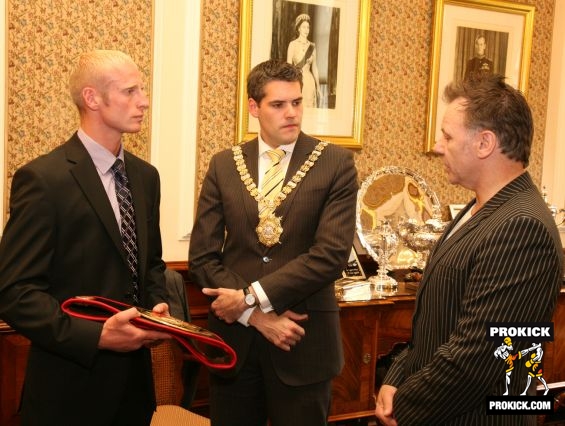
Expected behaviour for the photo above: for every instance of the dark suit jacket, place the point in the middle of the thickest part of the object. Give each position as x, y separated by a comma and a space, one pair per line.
503, 265
62, 240
298, 274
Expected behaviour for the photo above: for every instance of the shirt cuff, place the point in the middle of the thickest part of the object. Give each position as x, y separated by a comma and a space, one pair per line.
244, 318
264, 302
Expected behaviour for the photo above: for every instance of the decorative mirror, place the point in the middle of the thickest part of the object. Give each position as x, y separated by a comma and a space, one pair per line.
394, 195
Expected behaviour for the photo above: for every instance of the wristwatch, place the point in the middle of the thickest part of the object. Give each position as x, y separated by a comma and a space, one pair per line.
249, 298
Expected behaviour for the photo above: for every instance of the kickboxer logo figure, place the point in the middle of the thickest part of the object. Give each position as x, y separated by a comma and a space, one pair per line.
533, 364
535, 368
505, 352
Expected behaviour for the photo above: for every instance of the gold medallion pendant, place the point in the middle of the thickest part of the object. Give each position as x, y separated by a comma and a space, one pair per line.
269, 230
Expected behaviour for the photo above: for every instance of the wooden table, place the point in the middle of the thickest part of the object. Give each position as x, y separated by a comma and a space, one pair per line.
369, 330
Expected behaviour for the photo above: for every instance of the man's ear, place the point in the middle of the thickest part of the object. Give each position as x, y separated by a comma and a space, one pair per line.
91, 98
253, 107
487, 143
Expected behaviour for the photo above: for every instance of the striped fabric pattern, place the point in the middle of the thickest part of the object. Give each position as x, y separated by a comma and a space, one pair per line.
273, 179
503, 265
127, 225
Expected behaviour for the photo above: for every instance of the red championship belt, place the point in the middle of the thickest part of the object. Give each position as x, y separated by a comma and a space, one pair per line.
207, 347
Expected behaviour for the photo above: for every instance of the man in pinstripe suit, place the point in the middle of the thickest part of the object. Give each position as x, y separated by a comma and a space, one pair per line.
275, 301
499, 261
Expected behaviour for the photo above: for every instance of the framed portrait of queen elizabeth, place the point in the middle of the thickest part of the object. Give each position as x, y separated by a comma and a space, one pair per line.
328, 40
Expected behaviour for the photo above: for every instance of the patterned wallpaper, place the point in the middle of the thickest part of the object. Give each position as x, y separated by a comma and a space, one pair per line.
44, 38
396, 88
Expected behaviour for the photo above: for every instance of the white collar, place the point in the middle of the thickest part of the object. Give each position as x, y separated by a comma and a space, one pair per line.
263, 147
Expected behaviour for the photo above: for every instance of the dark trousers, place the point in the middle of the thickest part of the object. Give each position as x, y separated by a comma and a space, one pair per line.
94, 401
137, 406
257, 394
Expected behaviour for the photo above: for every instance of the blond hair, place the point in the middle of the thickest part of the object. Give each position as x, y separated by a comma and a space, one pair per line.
93, 69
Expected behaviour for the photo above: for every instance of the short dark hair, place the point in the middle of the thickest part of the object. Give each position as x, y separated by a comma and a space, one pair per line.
491, 104
271, 70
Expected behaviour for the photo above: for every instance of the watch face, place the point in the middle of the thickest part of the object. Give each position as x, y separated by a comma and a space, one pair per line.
249, 299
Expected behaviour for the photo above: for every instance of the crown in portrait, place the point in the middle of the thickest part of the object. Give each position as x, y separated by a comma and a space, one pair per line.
301, 18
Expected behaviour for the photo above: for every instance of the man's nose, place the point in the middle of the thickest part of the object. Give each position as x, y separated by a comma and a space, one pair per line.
438, 146
143, 101
292, 110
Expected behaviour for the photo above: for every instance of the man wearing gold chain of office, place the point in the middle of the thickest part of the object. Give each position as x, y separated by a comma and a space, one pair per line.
273, 230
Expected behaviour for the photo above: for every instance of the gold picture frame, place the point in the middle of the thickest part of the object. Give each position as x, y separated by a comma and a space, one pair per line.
341, 61
506, 30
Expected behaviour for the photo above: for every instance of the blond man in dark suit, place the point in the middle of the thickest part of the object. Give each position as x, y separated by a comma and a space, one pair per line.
270, 268
500, 260
63, 239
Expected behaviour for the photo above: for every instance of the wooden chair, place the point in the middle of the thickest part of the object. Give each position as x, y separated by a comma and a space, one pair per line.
172, 415
168, 360
173, 374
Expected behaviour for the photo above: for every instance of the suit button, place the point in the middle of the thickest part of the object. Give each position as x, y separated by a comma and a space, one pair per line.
266, 259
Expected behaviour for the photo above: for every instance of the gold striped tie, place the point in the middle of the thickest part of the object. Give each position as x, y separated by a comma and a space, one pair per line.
272, 180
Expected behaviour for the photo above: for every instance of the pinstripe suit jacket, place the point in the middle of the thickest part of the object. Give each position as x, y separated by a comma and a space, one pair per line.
62, 240
298, 274
503, 265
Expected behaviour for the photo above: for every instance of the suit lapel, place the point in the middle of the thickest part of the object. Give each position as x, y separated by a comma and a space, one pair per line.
250, 152
302, 149
445, 244
84, 171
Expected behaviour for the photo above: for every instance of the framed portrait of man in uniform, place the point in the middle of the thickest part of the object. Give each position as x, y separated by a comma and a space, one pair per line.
474, 37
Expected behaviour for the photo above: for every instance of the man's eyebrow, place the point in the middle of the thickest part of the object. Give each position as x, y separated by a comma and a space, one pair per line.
276, 101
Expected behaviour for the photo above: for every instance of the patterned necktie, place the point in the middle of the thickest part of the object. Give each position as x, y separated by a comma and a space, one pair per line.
127, 226
272, 180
